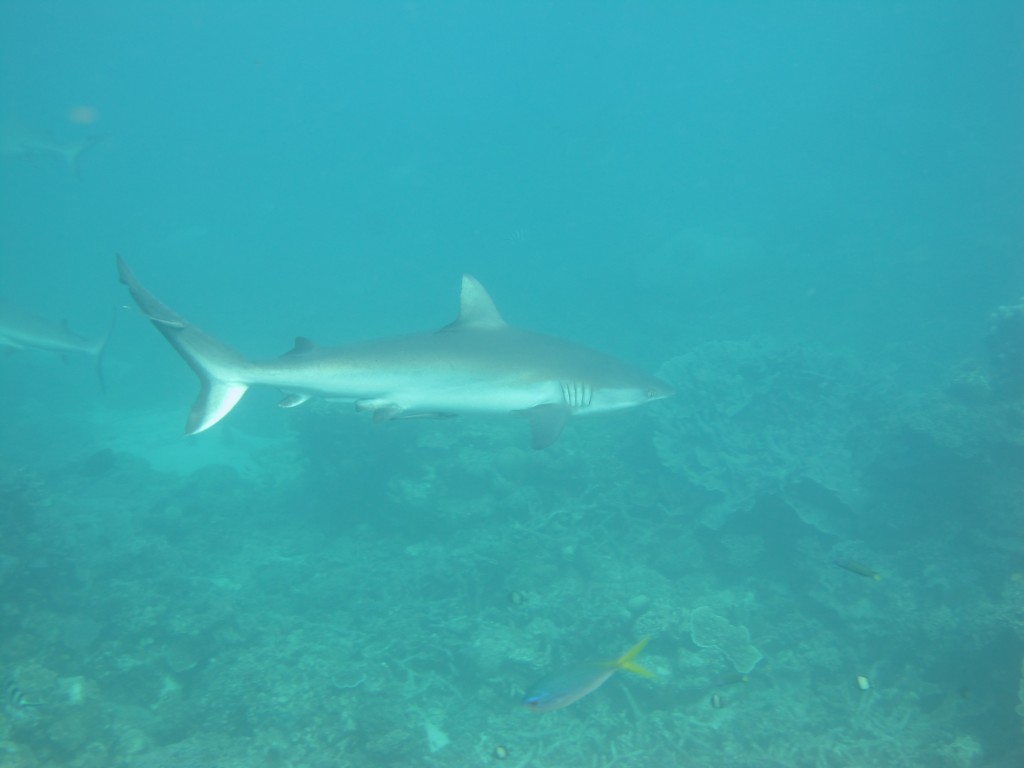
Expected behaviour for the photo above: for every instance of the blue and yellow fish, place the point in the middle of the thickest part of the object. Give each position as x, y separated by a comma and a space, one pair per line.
562, 688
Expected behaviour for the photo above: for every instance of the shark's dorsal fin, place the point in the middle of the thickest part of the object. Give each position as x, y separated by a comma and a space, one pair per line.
302, 344
476, 309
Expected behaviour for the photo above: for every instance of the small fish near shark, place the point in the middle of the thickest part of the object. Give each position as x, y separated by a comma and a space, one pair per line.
20, 329
477, 364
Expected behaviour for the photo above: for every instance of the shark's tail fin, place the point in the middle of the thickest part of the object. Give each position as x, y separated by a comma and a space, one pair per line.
72, 154
223, 373
99, 349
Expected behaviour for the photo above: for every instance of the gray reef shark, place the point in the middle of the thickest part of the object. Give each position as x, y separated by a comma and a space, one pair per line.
20, 329
477, 364
17, 140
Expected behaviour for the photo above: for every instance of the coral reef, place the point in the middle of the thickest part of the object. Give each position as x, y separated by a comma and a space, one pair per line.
1020, 694
383, 594
1006, 349
755, 419
709, 630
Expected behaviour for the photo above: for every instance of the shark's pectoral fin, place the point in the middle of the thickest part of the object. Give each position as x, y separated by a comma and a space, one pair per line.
290, 401
215, 401
546, 423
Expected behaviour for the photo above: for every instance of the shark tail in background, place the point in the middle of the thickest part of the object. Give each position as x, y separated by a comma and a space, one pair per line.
223, 373
72, 154
99, 349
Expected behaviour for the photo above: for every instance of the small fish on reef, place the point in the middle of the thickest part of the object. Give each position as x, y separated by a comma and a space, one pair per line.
562, 688
859, 568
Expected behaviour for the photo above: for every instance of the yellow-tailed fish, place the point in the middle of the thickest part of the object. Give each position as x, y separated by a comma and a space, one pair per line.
859, 568
562, 688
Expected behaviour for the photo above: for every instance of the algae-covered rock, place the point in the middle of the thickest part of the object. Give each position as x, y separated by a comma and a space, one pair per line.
395, 746
15, 755
71, 729
1006, 348
1020, 693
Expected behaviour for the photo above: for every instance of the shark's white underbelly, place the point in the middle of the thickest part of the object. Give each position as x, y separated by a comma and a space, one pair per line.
473, 399
416, 391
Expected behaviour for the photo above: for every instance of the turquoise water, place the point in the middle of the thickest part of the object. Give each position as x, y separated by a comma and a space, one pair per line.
804, 216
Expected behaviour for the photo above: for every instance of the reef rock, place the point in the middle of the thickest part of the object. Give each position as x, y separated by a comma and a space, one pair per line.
754, 419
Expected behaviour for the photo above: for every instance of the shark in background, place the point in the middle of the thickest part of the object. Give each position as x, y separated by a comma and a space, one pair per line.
18, 140
21, 329
477, 364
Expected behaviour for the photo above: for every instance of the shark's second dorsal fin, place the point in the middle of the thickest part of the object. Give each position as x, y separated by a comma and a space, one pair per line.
476, 308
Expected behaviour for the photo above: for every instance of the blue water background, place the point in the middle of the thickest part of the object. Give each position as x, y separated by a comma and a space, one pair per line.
643, 178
